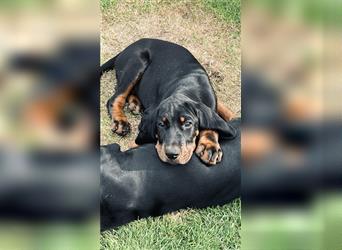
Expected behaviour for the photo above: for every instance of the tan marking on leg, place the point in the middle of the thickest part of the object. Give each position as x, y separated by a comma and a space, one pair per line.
224, 112
117, 109
121, 125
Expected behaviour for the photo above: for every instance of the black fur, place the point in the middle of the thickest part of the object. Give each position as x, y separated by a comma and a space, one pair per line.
136, 184
173, 84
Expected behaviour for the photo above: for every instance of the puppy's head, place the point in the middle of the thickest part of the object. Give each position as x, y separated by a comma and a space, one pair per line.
174, 126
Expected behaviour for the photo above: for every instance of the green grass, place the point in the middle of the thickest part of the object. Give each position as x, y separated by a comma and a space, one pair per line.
228, 10
106, 4
24, 4
210, 228
48, 235
327, 13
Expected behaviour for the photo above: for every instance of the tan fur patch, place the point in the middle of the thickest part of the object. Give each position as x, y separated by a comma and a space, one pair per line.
224, 112
119, 103
209, 136
133, 145
44, 110
185, 155
256, 144
208, 148
117, 110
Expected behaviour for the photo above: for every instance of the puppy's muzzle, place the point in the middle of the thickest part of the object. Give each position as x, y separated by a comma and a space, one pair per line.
175, 154
172, 152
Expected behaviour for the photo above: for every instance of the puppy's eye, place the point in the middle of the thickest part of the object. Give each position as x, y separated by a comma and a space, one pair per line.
188, 124
161, 124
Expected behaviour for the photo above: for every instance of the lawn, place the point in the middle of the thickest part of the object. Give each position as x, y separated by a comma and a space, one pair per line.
210, 29
211, 228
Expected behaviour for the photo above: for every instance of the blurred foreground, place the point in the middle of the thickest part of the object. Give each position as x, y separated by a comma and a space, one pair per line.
292, 136
49, 99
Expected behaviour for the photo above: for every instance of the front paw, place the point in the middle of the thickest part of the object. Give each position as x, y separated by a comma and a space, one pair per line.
209, 150
121, 127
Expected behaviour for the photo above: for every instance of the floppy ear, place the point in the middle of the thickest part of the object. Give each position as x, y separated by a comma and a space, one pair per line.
209, 119
147, 128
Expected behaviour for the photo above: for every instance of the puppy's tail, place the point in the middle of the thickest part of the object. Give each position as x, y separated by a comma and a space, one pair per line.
108, 65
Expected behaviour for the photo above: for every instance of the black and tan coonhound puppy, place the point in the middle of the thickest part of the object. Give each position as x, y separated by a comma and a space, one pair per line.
136, 184
170, 85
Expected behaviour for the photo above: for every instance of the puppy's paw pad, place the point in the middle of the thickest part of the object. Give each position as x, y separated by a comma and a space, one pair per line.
209, 154
121, 128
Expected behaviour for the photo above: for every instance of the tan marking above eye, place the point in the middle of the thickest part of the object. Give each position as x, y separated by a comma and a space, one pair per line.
182, 119
164, 119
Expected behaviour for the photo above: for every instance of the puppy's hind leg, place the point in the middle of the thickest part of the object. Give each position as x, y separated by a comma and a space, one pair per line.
129, 70
134, 104
115, 106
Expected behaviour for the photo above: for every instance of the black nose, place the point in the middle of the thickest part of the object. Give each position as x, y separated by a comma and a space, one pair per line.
172, 151
172, 156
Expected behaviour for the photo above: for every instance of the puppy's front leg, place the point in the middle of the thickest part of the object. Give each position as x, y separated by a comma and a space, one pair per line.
208, 148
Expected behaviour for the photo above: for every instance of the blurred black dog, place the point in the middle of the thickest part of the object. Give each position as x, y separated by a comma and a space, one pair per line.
136, 184
40, 180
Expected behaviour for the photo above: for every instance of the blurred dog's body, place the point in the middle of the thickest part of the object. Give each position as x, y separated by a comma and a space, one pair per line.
136, 184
